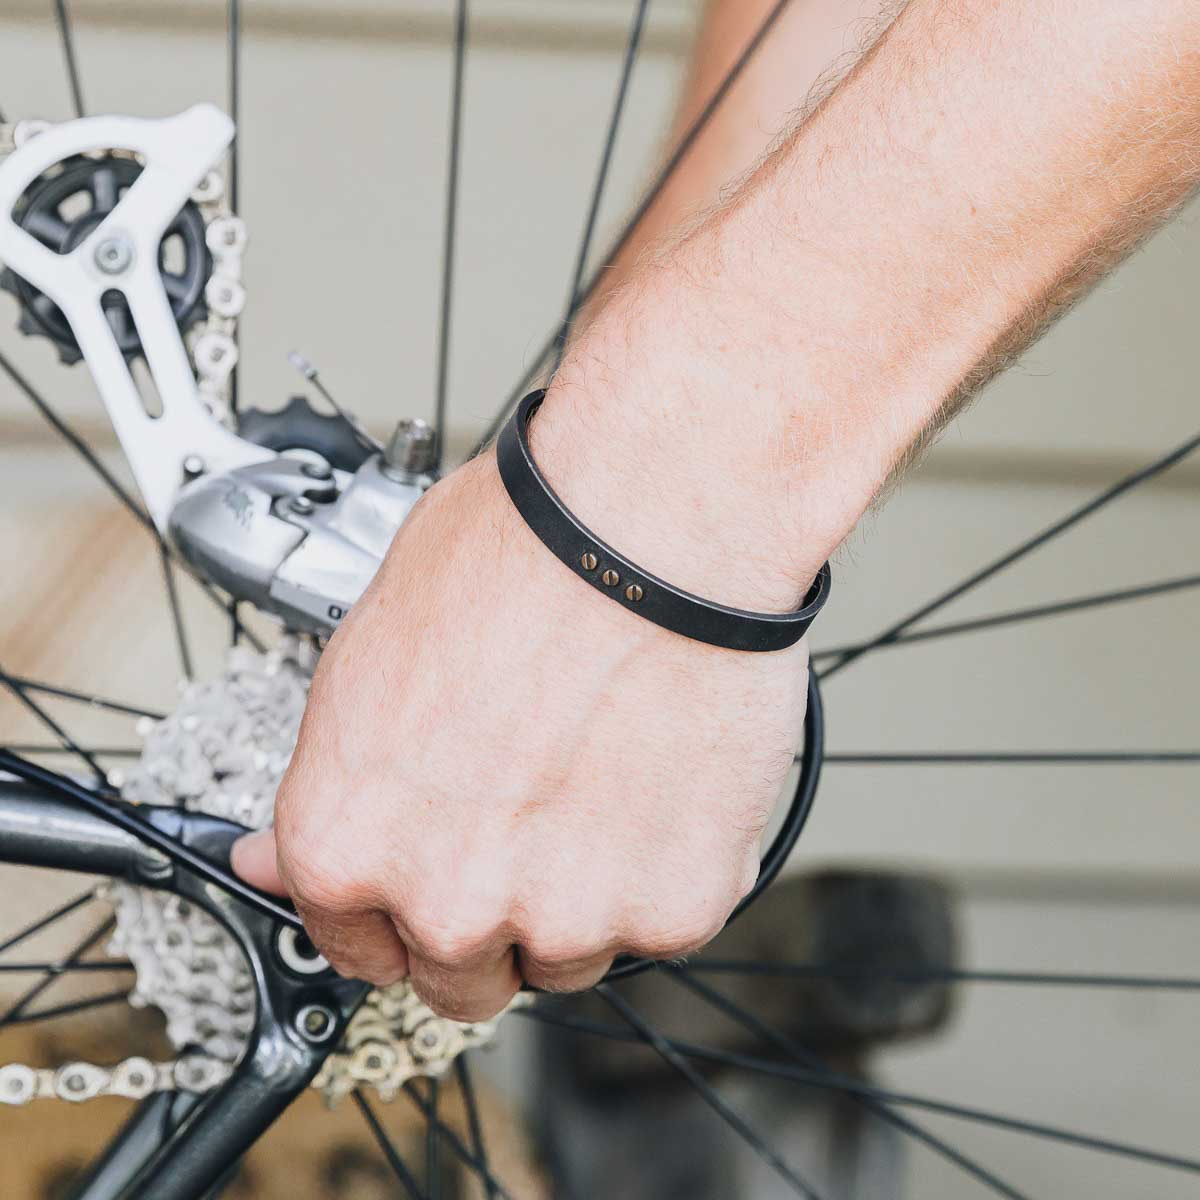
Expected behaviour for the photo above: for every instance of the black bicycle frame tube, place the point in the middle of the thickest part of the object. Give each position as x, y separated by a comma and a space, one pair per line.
136, 1143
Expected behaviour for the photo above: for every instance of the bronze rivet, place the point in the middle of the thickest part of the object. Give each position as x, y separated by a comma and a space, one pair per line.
588, 561
611, 578
634, 592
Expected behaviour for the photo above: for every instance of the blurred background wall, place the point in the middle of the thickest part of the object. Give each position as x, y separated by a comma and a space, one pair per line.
1065, 867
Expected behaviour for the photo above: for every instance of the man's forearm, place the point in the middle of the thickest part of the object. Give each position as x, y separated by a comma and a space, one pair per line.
808, 42
729, 415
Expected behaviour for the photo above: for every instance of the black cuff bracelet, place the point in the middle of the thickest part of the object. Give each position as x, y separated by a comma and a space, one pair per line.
613, 575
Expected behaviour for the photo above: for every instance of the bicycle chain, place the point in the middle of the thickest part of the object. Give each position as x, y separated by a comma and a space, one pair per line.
370, 1055
395, 1037
134, 1078
212, 342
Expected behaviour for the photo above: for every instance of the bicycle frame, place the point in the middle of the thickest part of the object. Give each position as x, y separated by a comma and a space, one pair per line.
179, 1146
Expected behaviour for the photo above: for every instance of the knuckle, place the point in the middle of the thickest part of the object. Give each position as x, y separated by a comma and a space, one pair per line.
446, 937
377, 969
359, 947
566, 985
344, 961
314, 889
322, 872
680, 929
575, 976
745, 882
556, 950
564, 925
321, 886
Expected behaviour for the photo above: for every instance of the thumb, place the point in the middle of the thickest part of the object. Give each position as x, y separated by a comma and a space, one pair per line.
253, 858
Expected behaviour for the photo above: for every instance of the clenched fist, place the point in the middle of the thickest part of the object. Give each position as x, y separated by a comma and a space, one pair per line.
503, 776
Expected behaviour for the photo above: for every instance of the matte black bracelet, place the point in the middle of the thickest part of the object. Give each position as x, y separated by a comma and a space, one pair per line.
613, 575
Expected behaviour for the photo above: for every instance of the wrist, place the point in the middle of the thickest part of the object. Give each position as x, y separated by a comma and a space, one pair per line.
650, 444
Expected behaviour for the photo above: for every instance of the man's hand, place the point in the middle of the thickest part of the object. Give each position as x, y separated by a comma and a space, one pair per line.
502, 775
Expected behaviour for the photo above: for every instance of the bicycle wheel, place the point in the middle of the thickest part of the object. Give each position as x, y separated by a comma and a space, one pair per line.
237, 1019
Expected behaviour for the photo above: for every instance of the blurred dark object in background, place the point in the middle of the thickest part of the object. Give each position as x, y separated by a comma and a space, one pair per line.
615, 1119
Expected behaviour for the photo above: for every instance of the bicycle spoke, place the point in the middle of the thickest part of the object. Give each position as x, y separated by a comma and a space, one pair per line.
610, 141
387, 1147
181, 640
449, 228
67, 37
664, 177
233, 49
70, 1009
432, 1134
68, 743
842, 1083
63, 910
1029, 758
545, 1014
466, 1087
233, 24
807, 1058
1018, 615
19, 1006
64, 968
455, 1142
110, 481
57, 751
1094, 505
936, 974
669, 1054
62, 693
